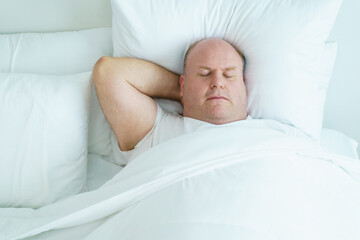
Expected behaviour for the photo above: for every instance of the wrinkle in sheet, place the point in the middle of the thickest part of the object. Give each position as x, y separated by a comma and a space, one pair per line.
44, 141
14, 45
19, 182
131, 196
135, 182
348, 165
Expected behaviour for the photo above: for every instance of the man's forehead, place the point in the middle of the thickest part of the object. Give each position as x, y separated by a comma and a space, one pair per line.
209, 50
212, 46
212, 41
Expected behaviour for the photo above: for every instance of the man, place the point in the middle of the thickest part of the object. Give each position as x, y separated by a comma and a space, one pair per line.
212, 92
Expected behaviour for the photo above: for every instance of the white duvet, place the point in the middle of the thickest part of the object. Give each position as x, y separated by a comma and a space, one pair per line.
249, 182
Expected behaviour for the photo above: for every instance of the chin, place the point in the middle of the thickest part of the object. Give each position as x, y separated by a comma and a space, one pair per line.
223, 117
219, 115
219, 119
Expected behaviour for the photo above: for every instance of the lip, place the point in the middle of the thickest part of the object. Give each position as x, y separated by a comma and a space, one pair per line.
217, 98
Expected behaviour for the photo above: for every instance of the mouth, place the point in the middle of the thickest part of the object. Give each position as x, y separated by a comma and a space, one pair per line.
217, 98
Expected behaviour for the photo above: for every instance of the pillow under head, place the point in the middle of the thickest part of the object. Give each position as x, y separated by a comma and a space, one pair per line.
283, 42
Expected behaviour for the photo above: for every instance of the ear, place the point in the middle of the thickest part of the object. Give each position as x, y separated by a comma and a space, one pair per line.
181, 80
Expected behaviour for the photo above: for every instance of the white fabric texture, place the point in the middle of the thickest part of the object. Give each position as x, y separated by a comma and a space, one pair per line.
254, 181
100, 169
54, 53
62, 53
167, 126
283, 43
339, 143
44, 127
330, 139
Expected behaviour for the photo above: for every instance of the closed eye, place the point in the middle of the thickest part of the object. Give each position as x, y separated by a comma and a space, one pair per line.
204, 74
228, 75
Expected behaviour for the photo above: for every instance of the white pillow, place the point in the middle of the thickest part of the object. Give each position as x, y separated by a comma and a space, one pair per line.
62, 53
54, 53
283, 42
43, 126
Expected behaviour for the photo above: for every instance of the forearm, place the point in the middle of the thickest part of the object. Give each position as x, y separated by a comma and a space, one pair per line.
146, 77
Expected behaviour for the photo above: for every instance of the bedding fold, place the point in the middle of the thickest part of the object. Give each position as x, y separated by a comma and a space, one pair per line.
257, 170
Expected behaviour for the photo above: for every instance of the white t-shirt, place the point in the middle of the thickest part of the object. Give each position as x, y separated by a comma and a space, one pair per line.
167, 126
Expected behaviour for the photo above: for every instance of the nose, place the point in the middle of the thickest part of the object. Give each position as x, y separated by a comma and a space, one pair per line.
217, 81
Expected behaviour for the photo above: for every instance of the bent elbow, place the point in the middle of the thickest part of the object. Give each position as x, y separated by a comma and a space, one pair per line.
101, 69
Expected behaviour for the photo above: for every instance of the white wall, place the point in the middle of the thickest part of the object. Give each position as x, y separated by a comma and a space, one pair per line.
53, 15
342, 109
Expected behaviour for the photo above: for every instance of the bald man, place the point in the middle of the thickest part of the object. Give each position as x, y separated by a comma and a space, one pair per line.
212, 92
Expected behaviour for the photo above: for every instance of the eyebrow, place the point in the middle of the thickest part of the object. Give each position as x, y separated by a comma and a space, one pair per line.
230, 68
204, 67
226, 69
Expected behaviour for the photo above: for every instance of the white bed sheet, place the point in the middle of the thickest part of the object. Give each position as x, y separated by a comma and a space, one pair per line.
264, 185
339, 143
101, 169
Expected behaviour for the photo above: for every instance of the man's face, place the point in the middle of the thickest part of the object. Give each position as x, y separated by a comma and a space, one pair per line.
212, 86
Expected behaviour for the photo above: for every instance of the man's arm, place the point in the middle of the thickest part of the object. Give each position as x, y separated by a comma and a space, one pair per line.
125, 87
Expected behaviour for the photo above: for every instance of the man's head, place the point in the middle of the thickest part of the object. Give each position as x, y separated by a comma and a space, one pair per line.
212, 87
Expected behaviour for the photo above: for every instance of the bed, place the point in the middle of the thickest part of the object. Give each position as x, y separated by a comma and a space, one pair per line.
291, 172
